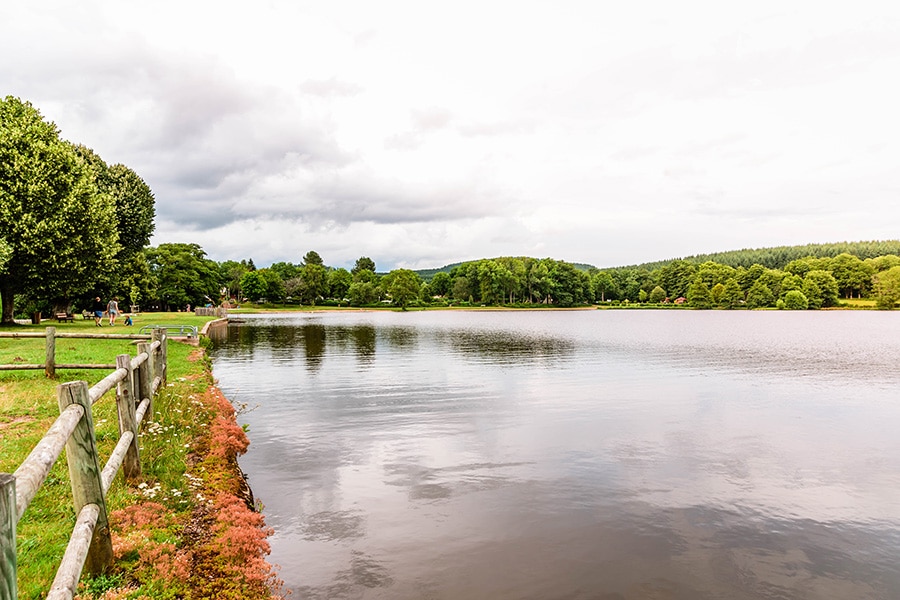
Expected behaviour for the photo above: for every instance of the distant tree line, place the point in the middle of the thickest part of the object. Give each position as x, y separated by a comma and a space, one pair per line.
808, 282
802, 283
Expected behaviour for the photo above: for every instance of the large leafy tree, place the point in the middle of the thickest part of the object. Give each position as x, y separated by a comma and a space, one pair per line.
184, 275
698, 294
440, 284
339, 282
134, 210
313, 282
403, 286
60, 229
363, 263
887, 288
312, 258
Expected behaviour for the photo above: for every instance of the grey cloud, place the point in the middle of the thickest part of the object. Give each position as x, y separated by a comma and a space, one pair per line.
341, 197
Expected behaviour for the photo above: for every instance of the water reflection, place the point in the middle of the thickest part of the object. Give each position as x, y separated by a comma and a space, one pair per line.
574, 455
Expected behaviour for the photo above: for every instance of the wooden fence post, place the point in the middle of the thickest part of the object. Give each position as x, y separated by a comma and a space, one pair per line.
50, 360
126, 405
145, 377
84, 473
161, 366
8, 586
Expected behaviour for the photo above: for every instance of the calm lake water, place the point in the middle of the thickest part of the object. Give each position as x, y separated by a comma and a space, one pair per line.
574, 455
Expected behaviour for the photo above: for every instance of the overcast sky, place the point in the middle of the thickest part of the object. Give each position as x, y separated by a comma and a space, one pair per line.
423, 133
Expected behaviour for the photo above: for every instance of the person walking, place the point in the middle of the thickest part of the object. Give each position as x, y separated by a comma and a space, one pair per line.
113, 309
97, 309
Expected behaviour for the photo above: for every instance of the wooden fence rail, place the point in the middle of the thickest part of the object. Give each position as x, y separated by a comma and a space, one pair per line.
211, 311
136, 381
49, 366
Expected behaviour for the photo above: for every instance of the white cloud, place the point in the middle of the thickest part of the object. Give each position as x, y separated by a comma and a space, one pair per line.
421, 134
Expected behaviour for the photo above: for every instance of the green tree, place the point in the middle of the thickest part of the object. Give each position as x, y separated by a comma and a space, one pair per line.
716, 294
59, 229
712, 273
184, 275
747, 277
676, 277
887, 288
134, 211
538, 282
312, 258
460, 290
883, 263
603, 284
363, 263
795, 300
314, 282
362, 293
275, 288
820, 288
802, 266
759, 295
732, 295
5, 253
285, 270
657, 295
569, 285
230, 274
791, 283
403, 286
698, 294
139, 283
339, 282
853, 276
440, 284
254, 285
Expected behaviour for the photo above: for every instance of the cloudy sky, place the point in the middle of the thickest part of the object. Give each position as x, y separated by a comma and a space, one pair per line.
423, 133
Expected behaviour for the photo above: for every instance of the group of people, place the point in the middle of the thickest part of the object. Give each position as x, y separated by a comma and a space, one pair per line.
111, 309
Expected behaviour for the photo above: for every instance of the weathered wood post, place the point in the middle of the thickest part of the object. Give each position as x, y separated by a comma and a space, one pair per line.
161, 365
50, 360
8, 586
125, 405
84, 473
145, 377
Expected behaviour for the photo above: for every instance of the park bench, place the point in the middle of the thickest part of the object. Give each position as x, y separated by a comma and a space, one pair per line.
61, 316
87, 315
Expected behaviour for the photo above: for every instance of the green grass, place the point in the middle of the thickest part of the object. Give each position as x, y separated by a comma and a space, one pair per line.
28, 407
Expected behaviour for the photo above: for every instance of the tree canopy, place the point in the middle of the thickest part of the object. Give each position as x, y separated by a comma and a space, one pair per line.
59, 226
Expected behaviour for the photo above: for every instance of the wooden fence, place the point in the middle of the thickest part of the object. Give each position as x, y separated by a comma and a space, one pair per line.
211, 311
49, 366
136, 381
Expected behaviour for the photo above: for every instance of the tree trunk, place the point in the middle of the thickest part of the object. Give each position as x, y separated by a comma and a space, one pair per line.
7, 297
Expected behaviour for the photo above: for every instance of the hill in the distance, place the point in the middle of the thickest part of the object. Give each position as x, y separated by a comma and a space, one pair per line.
772, 258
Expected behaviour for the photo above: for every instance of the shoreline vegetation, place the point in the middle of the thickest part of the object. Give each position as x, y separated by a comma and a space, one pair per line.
189, 528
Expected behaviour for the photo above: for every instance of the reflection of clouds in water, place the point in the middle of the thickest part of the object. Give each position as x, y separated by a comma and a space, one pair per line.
332, 525
363, 572
437, 483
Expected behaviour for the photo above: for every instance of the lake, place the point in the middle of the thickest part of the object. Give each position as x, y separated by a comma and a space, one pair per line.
602, 454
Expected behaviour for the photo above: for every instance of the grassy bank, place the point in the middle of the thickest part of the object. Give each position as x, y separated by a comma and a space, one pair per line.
184, 530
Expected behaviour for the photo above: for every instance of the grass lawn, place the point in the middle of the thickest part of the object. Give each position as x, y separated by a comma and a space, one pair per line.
28, 407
